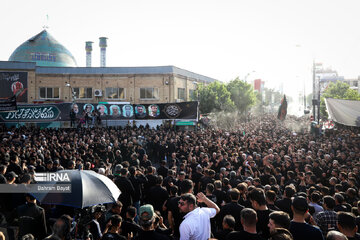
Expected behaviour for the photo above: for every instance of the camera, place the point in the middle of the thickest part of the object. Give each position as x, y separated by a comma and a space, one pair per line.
98, 208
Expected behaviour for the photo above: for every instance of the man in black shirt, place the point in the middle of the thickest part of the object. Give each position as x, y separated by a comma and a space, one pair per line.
278, 219
127, 190
285, 203
129, 226
233, 208
158, 195
174, 215
347, 225
163, 170
258, 202
248, 221
228, 225
112, 229
31, 218
298, 227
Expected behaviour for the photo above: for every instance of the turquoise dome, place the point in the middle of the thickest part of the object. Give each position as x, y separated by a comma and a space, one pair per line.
45, 51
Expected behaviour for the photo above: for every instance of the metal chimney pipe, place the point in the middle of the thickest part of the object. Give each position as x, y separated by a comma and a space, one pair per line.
103, 45
88, 48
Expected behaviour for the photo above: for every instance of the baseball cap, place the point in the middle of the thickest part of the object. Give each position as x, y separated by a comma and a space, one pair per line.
146, 212
10, 175
118, 167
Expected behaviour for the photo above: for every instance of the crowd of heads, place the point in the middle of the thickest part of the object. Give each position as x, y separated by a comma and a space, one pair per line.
257, 164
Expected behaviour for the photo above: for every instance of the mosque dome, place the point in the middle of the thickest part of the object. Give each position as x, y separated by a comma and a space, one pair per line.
45, 51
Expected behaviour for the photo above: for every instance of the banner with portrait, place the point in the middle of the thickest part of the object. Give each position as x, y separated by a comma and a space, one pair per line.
14, 83
106, 111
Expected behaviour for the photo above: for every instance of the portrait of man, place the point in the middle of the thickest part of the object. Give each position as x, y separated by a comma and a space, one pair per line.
127, 111
16, 86
154, 110
75, 107
140, 111
88, 108
102, 109
114, 110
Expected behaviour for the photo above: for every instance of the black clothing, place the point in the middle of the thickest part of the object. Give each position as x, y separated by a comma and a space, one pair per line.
263, 220
147, 235
172, 206
163, 171
235, 235
301, 231
196, 179
221, 235
356, 237
273, 207
95, 229
285, 205
157, 197
137, 182
220, 196
130, 226
265, 179
113, 236
127, 192
14, 167
232, 209
31, 217
150, 183
341, 208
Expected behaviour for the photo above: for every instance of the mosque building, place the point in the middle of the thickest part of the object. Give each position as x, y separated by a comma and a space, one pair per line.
45, 71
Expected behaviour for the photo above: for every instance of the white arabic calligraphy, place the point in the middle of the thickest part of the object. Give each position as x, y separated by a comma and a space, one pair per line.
10, 78
32, 113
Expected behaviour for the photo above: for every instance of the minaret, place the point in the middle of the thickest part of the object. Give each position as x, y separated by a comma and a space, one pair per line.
88, 48
103, 45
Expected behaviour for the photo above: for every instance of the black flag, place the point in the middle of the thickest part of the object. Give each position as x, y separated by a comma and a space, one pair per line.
282, 109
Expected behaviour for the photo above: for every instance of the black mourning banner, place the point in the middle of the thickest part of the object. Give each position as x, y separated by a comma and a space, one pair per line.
107, 111
8, 104
14, 83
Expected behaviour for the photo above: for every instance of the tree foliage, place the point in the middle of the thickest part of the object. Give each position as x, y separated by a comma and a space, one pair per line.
242, 94
338, 90
214, 97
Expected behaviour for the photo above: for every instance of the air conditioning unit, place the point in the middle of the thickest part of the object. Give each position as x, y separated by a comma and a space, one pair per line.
98, 93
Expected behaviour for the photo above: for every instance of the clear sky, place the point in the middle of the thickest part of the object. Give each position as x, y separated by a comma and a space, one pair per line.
222, 39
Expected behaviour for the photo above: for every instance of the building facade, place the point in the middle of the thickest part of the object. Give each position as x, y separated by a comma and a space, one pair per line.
52, 76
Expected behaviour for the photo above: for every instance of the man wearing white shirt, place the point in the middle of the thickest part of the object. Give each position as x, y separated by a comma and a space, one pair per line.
196, 223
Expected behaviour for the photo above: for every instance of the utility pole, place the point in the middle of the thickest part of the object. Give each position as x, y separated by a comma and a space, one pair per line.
314, 92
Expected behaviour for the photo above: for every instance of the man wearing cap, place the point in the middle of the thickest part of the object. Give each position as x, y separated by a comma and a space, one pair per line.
196, 223
11, 177
298, 227
147, 218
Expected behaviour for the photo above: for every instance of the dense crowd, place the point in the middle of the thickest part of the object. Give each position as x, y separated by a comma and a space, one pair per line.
266, 179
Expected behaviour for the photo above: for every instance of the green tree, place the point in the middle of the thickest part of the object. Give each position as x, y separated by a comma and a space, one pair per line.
214, 97
338, 90
242, 94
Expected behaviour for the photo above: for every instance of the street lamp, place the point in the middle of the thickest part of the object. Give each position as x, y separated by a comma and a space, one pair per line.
197, 89
247, 75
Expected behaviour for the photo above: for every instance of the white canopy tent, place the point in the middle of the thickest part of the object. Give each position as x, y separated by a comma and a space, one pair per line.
346, 112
